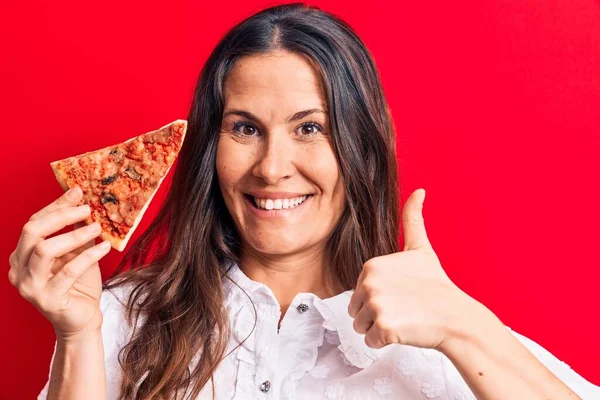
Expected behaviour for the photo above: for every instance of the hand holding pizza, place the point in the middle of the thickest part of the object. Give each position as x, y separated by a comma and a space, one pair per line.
60, 276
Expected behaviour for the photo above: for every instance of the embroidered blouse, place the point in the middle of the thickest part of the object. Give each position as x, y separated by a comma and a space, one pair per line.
316, 354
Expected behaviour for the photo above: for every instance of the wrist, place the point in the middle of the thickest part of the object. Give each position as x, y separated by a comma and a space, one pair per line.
78, 338
469, 325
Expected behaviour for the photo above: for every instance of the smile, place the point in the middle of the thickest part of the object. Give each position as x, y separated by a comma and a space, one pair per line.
283, 203
278, 204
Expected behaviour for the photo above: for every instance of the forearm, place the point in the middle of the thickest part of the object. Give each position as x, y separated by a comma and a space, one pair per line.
496, 365
78, 371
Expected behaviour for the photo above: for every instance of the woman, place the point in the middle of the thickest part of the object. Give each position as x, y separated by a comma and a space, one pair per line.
284, 199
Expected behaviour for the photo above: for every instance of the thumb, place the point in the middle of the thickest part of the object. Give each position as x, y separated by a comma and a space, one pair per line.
415, 235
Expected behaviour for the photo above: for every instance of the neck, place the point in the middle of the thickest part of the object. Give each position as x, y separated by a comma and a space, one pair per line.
287, 276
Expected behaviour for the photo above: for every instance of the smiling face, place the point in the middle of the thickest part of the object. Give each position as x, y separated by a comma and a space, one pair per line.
276, 165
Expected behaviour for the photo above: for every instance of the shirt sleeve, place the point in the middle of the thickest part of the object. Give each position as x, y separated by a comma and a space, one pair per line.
458, 389
114, 332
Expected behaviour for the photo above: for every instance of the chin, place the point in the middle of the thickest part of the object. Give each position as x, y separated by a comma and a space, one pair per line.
277, 245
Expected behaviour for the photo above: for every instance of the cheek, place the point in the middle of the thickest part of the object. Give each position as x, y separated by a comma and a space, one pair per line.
230, 164
321, 166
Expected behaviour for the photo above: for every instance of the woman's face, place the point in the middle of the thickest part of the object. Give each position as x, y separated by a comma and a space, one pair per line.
275, 162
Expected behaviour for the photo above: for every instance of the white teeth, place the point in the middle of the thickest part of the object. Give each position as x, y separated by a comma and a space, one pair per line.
269, 204
278, 204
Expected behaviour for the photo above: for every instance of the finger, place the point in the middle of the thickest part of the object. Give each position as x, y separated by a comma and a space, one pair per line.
37, 230
356, 302
91, 242
46, 251
13, 274
373, 338
363, 321
69, 198
64, 280
362, 275
415, 236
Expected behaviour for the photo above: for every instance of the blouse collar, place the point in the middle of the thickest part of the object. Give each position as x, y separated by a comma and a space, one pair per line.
327, 314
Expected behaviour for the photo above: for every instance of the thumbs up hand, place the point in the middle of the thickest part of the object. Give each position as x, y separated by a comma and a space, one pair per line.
406, 297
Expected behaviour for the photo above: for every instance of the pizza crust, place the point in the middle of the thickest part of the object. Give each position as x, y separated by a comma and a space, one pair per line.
60, 174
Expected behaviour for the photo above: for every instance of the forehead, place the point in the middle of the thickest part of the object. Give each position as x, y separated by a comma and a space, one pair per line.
281, 78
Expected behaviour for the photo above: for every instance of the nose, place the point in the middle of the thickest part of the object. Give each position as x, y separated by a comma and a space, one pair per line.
275, 160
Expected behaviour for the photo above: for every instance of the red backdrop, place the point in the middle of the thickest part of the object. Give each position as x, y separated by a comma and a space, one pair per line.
496, 104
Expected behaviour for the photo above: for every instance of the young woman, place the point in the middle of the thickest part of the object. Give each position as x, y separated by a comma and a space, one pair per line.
275, 271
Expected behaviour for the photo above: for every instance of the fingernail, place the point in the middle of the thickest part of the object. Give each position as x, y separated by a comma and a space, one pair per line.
84, 209
105, 245
73, 193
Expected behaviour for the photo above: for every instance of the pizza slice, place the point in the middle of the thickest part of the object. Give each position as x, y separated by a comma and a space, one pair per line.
119, 181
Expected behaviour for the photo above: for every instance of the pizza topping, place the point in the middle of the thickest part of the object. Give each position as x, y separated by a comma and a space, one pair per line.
109, 179
108, 197
136, 150
132, 173
126, 209
116, 155
114, 215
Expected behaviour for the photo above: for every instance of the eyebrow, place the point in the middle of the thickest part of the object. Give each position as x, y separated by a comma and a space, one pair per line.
299, 115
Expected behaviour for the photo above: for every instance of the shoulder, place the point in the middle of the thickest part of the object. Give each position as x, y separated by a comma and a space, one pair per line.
115, 296
116, 331
115, 327
114, 304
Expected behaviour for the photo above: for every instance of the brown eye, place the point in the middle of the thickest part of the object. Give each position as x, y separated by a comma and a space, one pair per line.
247, 129
310, 128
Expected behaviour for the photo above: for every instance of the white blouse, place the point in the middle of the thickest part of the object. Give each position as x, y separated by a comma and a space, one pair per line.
316, 354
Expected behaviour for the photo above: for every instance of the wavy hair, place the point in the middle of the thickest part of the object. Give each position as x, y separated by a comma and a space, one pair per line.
178, 265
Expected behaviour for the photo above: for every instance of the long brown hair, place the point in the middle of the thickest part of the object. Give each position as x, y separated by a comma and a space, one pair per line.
177, 267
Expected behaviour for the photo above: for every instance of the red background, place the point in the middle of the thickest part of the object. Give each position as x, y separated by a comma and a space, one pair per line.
496, 105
